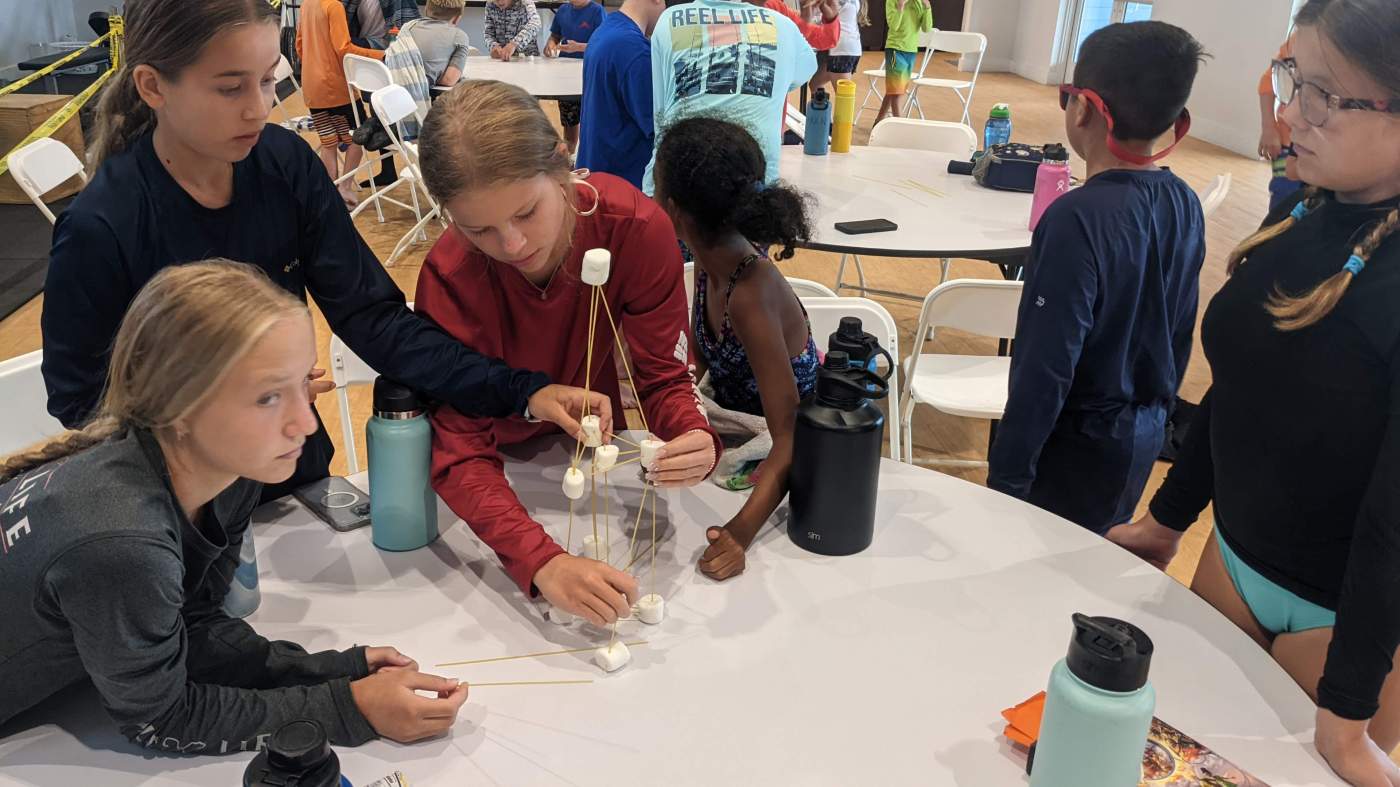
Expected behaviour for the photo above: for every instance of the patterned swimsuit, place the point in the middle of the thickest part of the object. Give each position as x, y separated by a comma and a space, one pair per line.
736, 387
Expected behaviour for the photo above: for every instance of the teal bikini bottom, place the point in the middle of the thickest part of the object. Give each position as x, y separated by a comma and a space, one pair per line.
1279, 611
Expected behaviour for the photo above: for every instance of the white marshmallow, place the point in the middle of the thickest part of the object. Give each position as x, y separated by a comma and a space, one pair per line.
604, 457
650, 608
561, 617
597, 264
612, 657
592, 431
594, 549
573, 483
649, 447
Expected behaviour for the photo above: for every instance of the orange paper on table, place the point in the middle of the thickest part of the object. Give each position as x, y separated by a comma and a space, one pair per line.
1023, 721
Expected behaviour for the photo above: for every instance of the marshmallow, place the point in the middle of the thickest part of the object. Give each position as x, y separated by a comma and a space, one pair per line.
604, 457
594, 549
561, 617
597, 264
573, 483
650, 608
592, 431
649, 447
612, 657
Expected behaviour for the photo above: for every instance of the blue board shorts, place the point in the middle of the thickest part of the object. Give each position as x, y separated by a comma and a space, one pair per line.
1278, 610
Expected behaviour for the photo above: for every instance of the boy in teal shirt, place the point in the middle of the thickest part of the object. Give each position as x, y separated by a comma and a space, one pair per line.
906, 19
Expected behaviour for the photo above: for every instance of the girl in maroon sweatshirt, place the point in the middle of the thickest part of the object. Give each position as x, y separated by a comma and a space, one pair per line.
505, 279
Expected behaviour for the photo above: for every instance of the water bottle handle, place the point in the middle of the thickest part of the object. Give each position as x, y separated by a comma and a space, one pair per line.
889, 359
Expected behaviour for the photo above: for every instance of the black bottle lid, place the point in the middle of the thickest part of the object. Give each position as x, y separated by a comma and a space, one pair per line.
819, 96
1055, 152
298, 746
851, 339
1109, 654
393, 397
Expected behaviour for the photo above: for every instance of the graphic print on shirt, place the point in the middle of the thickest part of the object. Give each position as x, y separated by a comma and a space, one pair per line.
724, 52
14, 524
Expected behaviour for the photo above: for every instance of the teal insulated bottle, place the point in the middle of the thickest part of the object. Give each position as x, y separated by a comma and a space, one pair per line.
402, 506
1098, 709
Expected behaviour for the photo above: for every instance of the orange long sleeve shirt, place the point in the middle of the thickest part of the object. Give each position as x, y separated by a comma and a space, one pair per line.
323, 41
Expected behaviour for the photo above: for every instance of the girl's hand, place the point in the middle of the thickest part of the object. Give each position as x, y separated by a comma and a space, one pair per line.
725, 556
1350, 751
685, 461
1154, 542
594, 591
388, 659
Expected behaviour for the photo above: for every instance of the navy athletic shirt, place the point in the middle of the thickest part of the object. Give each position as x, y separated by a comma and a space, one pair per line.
286, 218
1102, 339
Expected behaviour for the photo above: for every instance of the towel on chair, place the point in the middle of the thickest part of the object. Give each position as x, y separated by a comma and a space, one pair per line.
746, 442
405, 64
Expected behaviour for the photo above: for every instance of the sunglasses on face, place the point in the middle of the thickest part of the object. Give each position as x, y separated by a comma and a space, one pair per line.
1315, 104
1183, 125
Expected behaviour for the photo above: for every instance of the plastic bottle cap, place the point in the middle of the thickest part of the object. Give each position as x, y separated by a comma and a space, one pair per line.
1109, 654
393, 397
845, 87
1054, 151
837, 359
298, 746
1001, 111
851, 327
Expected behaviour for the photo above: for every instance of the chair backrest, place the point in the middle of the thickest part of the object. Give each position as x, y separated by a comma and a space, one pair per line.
690, 286
349, 369
367, 74
926, 43
986, 307
283, 70
41, 166
959, 43
941, 136
806, 288
824, 313
794, 121
1215, 195
392, 104
27, 419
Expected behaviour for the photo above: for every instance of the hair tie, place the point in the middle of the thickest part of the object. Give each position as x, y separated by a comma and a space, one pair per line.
1355, 265
759, 187
1299, 211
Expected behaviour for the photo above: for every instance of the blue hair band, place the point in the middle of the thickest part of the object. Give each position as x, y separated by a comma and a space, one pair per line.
1299, 211
1355, 265
759, 187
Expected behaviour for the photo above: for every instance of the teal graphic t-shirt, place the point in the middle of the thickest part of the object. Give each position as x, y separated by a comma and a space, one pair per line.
727, 60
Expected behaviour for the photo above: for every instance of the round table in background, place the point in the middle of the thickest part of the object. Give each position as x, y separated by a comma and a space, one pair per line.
542, 77
889, 667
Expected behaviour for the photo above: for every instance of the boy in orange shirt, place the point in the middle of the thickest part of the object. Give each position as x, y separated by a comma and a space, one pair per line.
323, 41
1275, 138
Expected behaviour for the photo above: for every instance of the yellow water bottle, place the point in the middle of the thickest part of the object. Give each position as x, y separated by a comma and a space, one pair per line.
843, 116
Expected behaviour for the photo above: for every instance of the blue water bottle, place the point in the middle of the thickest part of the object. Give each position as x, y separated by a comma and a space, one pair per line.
402, 505
998, 128
1098, 708
817, 137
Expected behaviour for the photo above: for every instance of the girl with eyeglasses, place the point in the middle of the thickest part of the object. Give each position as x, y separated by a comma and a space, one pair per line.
1298, 441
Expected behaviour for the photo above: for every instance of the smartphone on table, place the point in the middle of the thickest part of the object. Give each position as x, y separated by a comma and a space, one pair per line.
339, 503
866, 226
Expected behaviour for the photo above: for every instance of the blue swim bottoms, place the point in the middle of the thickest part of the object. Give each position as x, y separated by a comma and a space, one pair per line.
1279, 611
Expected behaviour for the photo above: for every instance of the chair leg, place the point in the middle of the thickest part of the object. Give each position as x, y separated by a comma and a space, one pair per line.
410, 237
860, 273
840, 273
946, 264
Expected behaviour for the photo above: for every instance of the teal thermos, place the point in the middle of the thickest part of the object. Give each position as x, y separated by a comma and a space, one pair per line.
402, 505
1098, 708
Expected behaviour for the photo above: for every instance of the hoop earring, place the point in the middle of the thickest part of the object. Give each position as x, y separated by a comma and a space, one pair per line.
580, 177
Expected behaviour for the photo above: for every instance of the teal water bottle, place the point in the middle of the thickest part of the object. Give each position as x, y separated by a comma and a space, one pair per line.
1098, 709
243, 592
402, 506
817, 135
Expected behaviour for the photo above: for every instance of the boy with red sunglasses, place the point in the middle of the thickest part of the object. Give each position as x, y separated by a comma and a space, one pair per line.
1106, 319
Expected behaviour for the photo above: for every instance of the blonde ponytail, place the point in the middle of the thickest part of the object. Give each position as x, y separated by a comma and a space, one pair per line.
1296, 312
1312, 200
184, 332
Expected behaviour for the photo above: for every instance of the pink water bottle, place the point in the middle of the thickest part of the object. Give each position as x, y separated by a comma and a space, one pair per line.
1051, 181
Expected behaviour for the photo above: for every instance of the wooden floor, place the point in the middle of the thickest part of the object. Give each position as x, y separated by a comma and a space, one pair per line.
1037, 118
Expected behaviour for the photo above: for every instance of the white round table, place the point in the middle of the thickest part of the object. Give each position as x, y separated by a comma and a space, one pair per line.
885, 668
543, 77
939, 215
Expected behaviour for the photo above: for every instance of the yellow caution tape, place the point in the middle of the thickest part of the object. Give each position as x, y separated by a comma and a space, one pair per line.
54, 123
49, 69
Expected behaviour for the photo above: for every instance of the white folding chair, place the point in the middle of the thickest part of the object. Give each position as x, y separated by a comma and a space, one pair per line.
27, 419
42, 166
969, 386
370, 76
1215, 195
804, 288
794, 121
824, 314
956, 139
957, 43
281, 73
876, 75
349, 369
391, 105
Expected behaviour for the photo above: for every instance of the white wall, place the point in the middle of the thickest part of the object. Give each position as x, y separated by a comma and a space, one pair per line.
1242, 36
26, 23
1021, 35
998, 20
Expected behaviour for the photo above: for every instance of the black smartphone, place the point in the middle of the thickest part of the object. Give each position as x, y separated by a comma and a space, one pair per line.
336, 501
868, 225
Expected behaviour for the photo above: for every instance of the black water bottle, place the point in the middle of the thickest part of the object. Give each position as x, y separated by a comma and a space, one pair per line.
836, 460
863, 348
297, 755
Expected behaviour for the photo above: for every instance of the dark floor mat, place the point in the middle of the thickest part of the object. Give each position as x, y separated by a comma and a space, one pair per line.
24, 254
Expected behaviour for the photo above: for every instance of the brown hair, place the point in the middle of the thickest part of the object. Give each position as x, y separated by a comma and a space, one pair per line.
444, 9
175, 346
484, 132
167, 35
1364, 31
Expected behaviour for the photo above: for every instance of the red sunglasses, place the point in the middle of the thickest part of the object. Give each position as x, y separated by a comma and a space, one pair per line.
1183, 125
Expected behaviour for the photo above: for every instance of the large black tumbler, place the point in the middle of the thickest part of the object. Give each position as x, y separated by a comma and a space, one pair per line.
836, 460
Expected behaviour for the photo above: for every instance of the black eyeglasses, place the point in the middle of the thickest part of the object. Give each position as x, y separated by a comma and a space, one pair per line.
1315, 104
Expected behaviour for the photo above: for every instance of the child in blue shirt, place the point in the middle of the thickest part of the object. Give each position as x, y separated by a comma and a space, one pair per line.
573, 25
1109, 308
617, 93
